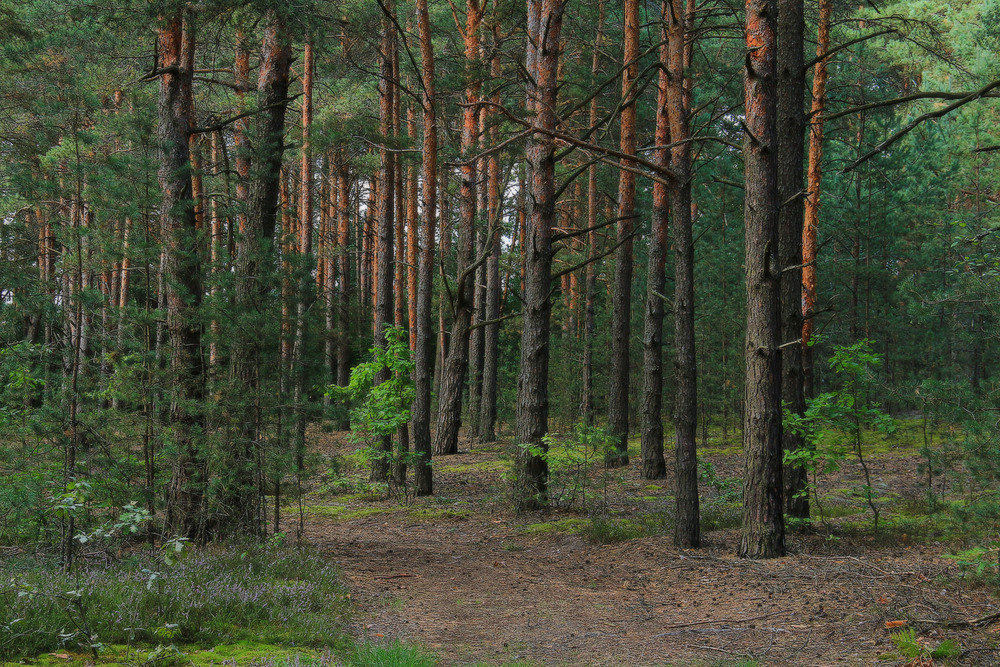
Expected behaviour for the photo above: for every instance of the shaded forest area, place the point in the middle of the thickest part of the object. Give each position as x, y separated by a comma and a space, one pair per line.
230, 229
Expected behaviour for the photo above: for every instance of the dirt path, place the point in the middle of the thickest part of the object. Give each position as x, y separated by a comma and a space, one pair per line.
475, 586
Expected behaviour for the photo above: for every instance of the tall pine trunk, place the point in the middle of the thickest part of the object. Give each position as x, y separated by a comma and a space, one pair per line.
544, 25
791, 147
424, 352
688, 533
590, 286
456, 364
621, 314
384, 275
253, 272
491, 333
651, 415
810, 226
182, 273
763, 533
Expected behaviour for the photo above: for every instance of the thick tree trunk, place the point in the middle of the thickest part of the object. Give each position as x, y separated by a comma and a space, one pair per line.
424, 351
810, 226
688, 533
544, 25
791, 147
651, 425
182, 269
456, 364
763, 510
254, 270
621, 314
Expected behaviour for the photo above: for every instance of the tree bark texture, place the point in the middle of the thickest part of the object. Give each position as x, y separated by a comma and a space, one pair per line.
791, 148
688, 531
810, 226
424, 351
544, 26
651, 427
384, 268
763, 534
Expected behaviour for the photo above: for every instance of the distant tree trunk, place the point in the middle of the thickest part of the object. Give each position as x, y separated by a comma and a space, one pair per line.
344, 282
651, 421
544, 26
182, 273
304, 296
241, 128
412, 233
215, 251
254, 267
688, 532
384, 305
424, 351
589, 318
443, 306
815, 181
457, 362
400, 463
491, 333
621, 314
763, 510
791, 147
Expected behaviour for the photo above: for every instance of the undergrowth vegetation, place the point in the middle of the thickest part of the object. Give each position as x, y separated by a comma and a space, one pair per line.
216, 595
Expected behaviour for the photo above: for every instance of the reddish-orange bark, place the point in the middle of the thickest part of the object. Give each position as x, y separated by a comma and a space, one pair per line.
814, 182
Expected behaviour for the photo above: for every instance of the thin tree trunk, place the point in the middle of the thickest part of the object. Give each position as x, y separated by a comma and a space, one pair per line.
763, 533
386, 228
443, 334
457, 362
621, 314
815, 176
344, 284
651, 426
305, 282
590, 319
491, 331
241, 128
424, 351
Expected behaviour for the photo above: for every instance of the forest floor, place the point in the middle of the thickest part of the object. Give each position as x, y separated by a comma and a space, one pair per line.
600, 582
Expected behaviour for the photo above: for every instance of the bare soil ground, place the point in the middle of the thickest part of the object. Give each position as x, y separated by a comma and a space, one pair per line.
462, 575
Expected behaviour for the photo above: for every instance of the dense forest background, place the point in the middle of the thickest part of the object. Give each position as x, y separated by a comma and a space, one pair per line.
213, 212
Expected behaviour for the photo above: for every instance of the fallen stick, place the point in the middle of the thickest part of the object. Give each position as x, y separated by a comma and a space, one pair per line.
974, 623
723, 620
